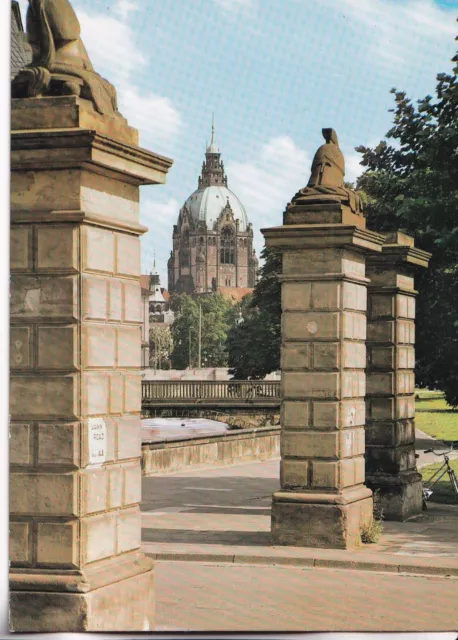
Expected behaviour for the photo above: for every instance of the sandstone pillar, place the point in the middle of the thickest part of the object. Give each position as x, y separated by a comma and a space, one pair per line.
75, 406
323, 501
390, 432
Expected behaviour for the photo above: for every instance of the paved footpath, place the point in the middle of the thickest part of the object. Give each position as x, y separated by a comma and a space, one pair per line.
217, 570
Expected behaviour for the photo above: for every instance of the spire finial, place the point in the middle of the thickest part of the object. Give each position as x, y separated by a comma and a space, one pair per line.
154, 260
213, 129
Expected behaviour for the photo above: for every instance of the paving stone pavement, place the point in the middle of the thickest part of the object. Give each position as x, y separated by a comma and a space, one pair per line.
225, 598
218, 519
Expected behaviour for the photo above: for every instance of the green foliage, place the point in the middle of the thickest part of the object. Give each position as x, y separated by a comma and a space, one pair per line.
254, 345
371, 533
160, 346
436, 418
217, 316
413, 186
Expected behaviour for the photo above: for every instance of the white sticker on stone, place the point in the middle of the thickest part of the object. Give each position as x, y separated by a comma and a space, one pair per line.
97, 440
312, 327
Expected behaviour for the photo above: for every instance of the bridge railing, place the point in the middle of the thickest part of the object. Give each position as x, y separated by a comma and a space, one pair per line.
220, 390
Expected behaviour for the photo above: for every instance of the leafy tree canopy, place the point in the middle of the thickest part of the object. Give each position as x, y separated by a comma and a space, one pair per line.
160, 345
254, 345
412, 185
217, 316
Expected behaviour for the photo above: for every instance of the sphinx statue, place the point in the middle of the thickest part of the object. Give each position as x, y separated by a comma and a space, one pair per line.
326, 182
60, 63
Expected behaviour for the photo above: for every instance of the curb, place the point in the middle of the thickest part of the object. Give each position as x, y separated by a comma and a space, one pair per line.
424, 568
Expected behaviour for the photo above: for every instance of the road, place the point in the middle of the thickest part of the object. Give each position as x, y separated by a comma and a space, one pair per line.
211, 597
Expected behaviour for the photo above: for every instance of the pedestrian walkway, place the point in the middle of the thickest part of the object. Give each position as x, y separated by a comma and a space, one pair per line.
217, 570
223, 514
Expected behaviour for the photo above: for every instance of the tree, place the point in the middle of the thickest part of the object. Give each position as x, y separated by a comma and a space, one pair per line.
217, 314
413, 186
254, 345
160, 346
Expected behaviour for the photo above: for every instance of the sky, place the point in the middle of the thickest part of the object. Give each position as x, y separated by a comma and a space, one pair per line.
274, 72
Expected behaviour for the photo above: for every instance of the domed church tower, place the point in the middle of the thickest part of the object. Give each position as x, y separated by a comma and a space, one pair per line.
212, 240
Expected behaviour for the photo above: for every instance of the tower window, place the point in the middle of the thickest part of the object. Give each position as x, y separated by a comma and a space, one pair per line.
227, 252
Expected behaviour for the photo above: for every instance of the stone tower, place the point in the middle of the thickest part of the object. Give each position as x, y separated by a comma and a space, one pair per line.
212, 240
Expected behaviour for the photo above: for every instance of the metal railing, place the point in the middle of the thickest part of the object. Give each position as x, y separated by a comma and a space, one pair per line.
220, 390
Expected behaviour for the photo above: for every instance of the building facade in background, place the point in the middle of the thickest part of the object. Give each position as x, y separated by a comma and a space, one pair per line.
213, 239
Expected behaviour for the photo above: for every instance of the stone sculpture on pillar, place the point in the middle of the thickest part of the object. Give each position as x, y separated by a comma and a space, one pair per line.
323, 501
75, 352
60, 63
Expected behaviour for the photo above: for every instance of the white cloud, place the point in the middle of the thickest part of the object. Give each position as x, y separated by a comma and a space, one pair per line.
395, 32
124, 7
267, 183
352, 167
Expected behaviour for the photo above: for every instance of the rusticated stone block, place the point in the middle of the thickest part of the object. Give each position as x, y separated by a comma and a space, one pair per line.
20, 443
381, 331
115, 306
20, 543
116, 393
129, 442
325, 475
296, 296
354, 355
58, 444
95, 394
405, 382
405, 306
295, 355
351, 442
21, 248
405, 332
57, 347
128, 346
353, 384
310, 445
310, 326
351, 472
295, 414
354, 296
94, 298
354, 326
326, 355
128, 255
326, 295
57, 544
44, 297
311, 385
57, 247
132, 393
381, 306
132, 483
115, 485
94, 490
20, 347
353, 413
326, 415
98, 249
99, 537
132, 307
129, 530
406, 357
52, 494
98, 346
294, 474
382, 357
44, 397
380, 383
45, 189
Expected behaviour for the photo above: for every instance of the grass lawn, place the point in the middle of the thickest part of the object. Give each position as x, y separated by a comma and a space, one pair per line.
443, 491
435, 417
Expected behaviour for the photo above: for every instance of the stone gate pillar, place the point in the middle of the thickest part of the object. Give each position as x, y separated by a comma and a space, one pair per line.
390, 432
75, 483
323, 501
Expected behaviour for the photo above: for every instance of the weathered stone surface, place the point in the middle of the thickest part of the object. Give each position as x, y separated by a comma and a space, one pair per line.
20, 443
45, 397
57, 544
57, 347
52, 494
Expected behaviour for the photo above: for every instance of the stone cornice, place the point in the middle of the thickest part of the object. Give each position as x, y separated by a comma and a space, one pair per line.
85, 148
308, 236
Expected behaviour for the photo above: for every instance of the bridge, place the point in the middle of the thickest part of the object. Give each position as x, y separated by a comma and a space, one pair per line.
199, 397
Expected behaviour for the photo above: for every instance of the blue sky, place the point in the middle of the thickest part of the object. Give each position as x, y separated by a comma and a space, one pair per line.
274, 72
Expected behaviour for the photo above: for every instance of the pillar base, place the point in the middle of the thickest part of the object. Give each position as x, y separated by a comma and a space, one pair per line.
400, 496
51, 602
320, 519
